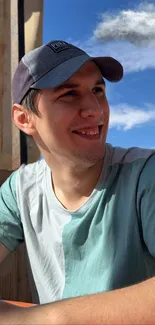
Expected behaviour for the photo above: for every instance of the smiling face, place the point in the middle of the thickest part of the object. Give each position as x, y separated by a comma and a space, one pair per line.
74, 118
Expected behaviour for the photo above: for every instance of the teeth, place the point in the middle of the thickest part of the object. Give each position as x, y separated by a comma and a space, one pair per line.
89, 132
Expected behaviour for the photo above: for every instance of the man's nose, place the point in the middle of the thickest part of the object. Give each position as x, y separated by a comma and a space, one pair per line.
90, 106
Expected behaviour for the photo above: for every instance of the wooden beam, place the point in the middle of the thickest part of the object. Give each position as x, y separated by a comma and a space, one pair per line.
33, 38
9, 135
14, 283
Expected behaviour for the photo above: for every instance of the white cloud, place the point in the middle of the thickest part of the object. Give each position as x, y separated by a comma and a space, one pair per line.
136, 26
125, 117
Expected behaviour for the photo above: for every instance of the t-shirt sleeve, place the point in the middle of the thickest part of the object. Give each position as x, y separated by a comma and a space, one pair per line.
11, 231
146, 203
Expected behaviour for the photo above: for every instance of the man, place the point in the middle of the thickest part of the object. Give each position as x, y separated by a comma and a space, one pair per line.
86, 211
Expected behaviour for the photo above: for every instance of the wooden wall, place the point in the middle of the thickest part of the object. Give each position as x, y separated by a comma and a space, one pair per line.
14, 284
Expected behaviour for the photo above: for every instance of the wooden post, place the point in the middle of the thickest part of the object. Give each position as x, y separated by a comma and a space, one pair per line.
9, 135
33, 38
14, 284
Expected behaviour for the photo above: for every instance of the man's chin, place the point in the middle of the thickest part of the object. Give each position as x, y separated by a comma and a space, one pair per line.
88, 159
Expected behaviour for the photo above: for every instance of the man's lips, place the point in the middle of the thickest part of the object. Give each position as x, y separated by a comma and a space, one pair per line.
89, 132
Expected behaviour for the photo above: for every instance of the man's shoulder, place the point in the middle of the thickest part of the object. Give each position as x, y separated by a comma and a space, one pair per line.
133, 164
25, 177
33, 168
30, 174
132, 155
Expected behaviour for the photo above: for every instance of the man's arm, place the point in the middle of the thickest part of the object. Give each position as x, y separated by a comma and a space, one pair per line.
131, 305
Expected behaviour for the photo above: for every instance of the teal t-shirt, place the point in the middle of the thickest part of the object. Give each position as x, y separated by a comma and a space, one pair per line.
108, 243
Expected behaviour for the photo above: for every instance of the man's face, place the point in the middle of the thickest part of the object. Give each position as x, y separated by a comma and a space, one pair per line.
74, 118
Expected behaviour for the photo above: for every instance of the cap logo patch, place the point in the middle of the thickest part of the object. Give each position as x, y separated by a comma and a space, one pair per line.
59, 46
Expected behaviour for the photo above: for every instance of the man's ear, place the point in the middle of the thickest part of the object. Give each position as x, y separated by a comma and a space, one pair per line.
23, 119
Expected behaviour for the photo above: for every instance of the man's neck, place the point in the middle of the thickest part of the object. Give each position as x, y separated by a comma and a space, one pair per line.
73, 186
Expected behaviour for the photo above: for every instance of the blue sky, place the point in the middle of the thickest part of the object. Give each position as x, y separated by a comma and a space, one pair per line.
125, 30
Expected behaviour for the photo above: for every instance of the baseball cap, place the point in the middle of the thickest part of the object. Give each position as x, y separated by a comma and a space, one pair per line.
52, 64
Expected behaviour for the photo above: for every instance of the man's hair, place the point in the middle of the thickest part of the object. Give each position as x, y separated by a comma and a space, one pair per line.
30, 101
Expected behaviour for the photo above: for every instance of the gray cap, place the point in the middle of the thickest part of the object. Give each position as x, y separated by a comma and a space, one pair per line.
54, 63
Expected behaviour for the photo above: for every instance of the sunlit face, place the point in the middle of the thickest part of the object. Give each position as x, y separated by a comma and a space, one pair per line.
74, 118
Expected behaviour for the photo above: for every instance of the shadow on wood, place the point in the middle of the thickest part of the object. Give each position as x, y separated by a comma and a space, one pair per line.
4, 174
14, 282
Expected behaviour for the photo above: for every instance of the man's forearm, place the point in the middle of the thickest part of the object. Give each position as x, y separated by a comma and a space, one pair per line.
132, 305
9, 313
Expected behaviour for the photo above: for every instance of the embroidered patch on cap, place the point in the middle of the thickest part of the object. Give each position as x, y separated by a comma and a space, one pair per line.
59, 46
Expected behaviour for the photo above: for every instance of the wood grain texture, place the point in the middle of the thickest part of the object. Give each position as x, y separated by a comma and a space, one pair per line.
14, 283
9, 135
33, 26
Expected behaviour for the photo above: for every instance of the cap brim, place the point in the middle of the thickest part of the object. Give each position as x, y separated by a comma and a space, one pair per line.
110, 68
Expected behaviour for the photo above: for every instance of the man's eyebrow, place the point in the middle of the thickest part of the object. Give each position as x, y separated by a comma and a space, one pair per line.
66, 85
69, 85
100, 82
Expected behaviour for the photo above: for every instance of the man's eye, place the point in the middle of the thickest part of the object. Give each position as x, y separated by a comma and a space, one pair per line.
98, 90
68, 93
